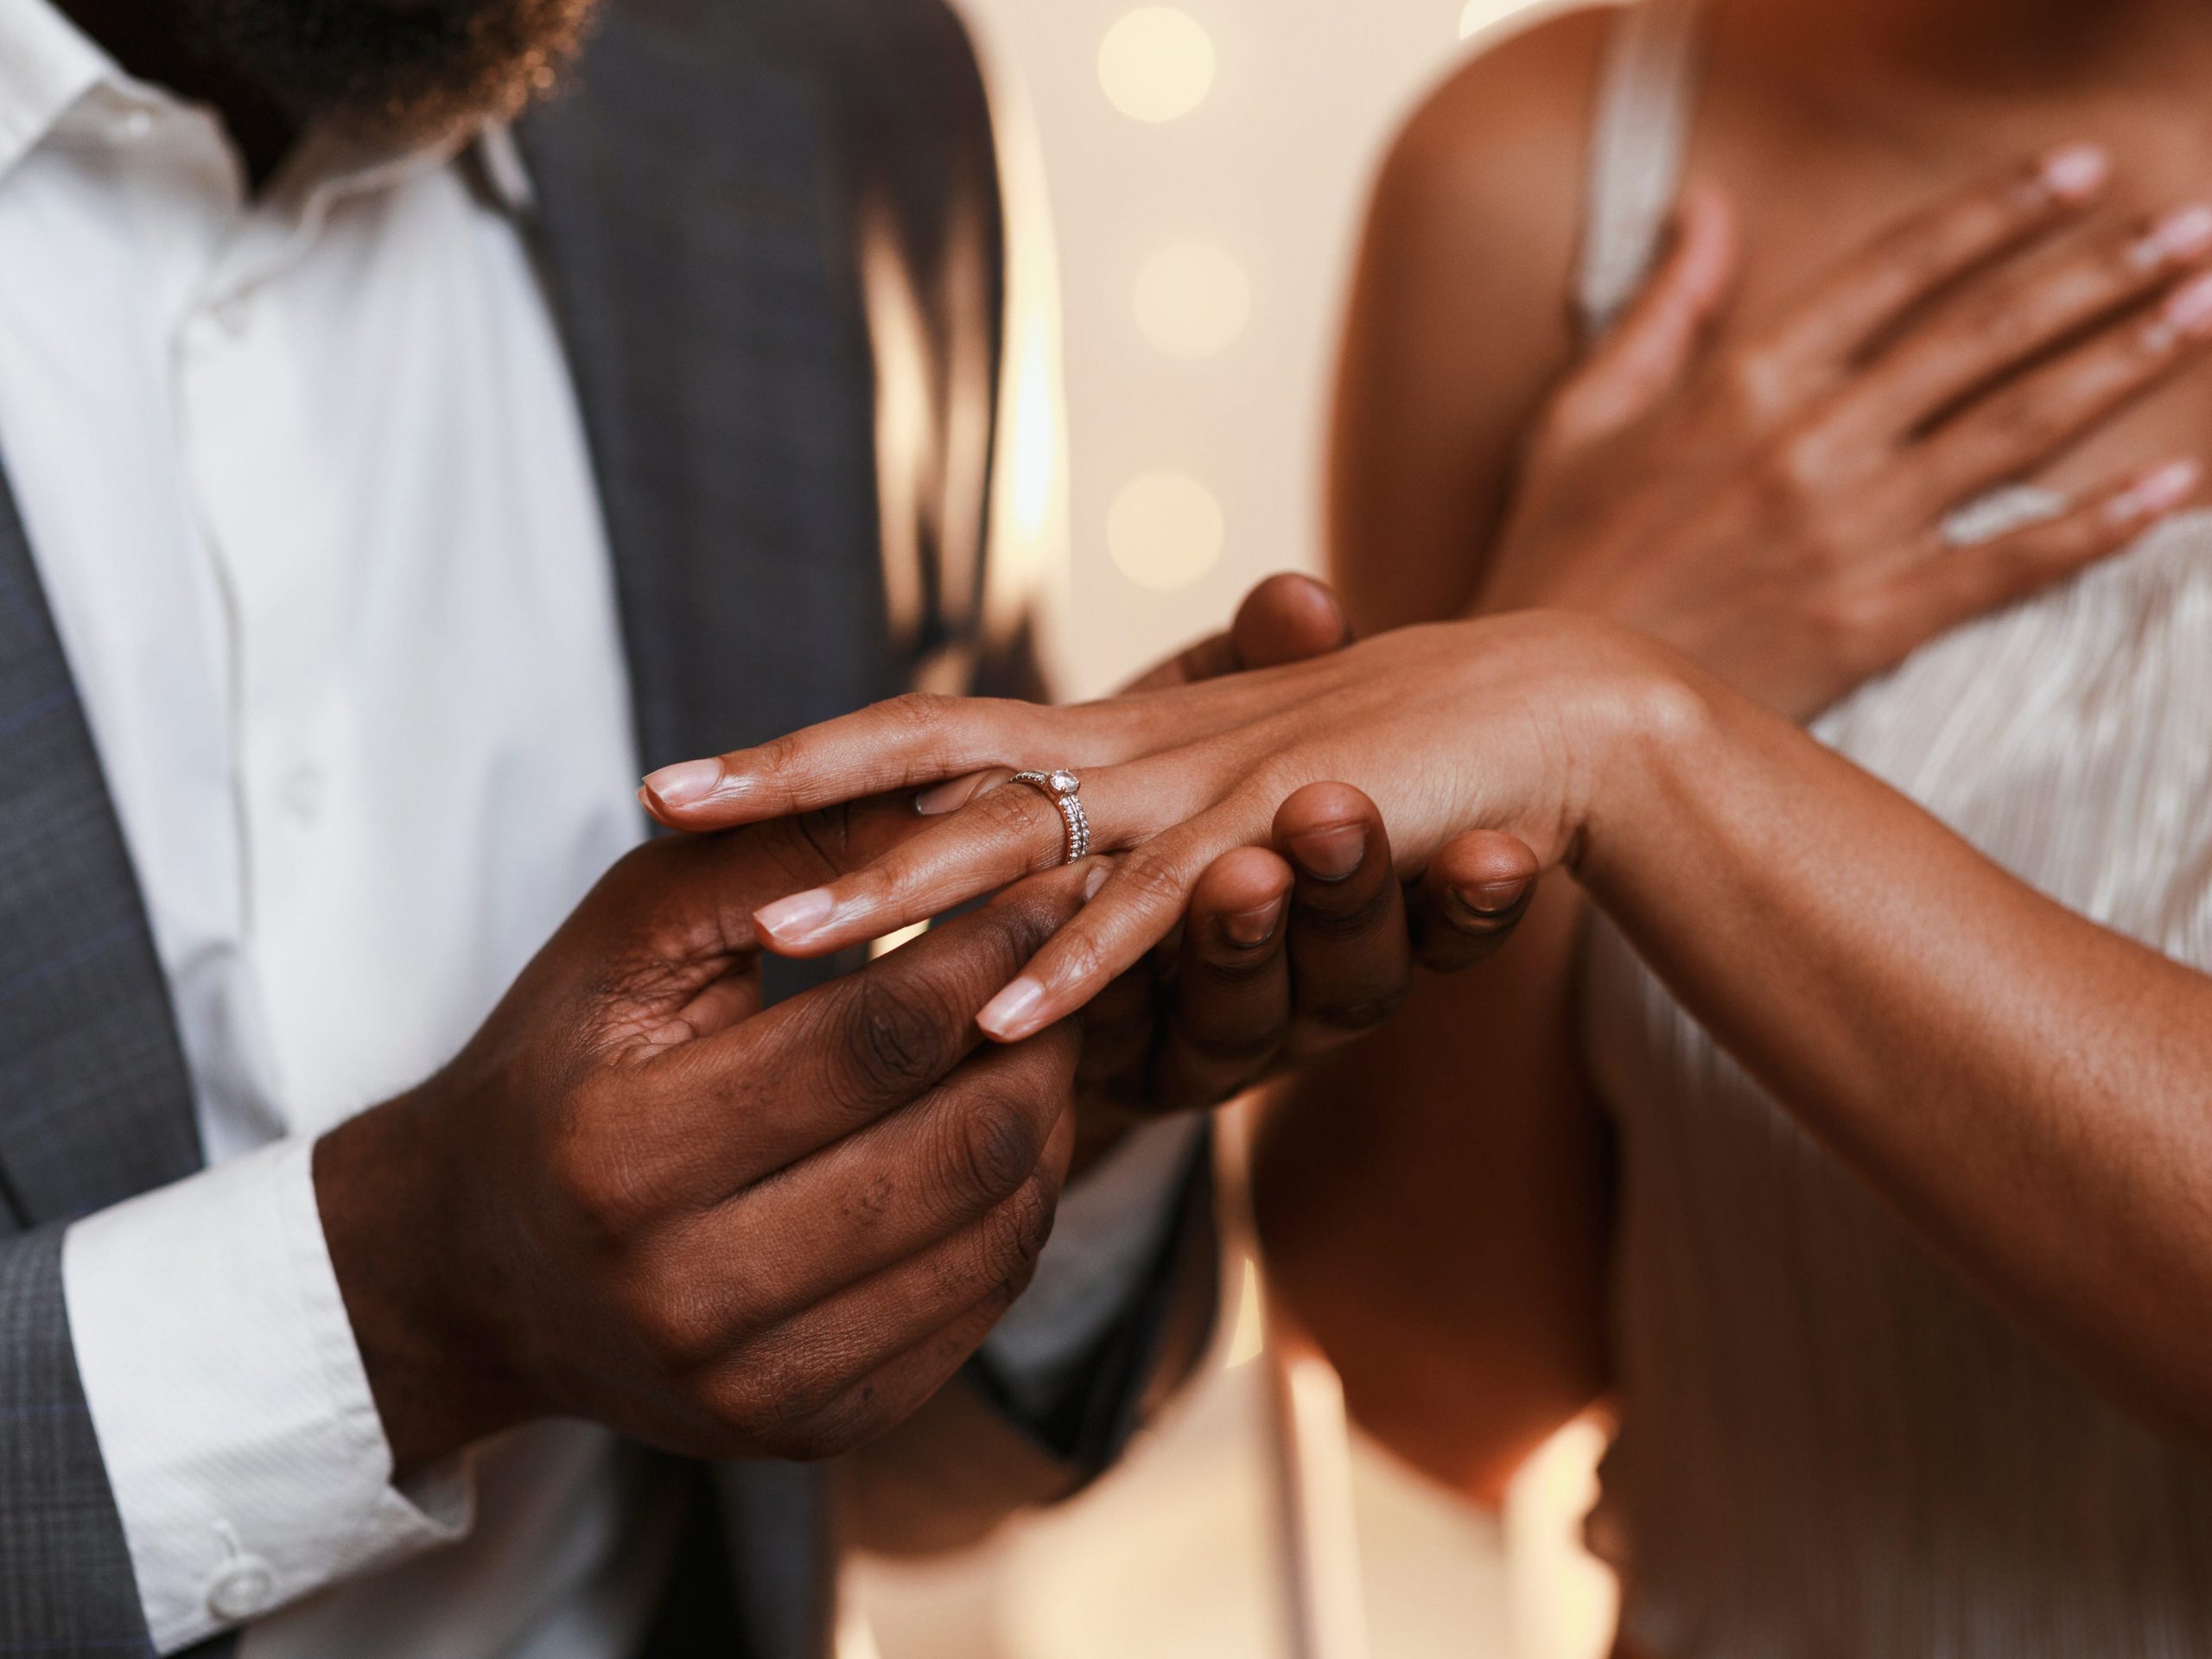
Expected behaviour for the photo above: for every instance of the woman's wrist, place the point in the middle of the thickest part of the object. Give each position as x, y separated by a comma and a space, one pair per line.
1649, 726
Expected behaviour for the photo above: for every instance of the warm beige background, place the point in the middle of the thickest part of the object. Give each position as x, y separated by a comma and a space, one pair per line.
1257, 189
1271, 169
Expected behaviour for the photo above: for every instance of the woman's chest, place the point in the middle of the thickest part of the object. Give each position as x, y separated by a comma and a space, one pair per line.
1816, 181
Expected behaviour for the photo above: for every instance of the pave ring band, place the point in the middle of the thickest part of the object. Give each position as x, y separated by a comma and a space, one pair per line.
1060, 788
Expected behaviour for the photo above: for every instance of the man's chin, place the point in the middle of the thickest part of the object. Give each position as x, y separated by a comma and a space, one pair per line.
397, 70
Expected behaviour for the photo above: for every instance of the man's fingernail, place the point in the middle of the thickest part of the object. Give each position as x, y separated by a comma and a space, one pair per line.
940, 799
1483, 905
2160, 490
1253, 928
1002, 1016
680, 785
2182, 234
2075, 172
795, 918
1095, 881
1331, 854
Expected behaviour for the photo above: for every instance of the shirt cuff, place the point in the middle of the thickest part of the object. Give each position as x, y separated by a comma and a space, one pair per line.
1107, 1233
248, 1461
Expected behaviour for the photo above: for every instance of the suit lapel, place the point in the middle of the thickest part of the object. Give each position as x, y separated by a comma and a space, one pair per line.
95, 1102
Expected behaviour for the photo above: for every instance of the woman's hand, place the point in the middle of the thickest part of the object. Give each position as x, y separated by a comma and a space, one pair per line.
1777, 510
1506, 724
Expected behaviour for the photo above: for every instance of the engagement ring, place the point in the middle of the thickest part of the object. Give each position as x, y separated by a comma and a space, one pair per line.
1060, 788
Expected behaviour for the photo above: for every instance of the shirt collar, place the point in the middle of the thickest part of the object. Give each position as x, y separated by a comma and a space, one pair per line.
47, 63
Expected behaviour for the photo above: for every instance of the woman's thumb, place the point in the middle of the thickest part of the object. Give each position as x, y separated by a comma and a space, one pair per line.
1659, 338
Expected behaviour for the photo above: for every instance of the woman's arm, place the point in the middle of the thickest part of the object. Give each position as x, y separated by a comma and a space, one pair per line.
2033, 1092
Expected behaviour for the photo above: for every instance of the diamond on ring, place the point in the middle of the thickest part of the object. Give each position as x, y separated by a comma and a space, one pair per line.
1061, 787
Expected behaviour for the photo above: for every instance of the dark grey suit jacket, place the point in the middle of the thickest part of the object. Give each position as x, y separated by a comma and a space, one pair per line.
705, 195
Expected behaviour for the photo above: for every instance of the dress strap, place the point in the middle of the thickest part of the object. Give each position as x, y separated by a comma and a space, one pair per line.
1647, 96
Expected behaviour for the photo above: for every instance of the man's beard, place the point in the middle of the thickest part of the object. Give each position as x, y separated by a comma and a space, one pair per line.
396, 70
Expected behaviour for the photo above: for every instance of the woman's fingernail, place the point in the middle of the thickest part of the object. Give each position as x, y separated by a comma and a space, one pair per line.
940, 799
795, 918
680, 785
1253, 928
2075, 172
2160, 490
1331, 854
1095, 881
2187, 313
1002, 1016
2183, 234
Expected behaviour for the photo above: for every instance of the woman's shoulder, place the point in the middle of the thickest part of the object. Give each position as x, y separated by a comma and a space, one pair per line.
1508, 130
1461, 319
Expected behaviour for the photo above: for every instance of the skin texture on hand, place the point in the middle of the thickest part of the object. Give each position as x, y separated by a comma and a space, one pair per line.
1492, 726
638, 1198
1777, 510
1283, 954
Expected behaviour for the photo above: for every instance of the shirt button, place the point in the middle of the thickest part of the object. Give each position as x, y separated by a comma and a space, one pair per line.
302, 792
245, 1587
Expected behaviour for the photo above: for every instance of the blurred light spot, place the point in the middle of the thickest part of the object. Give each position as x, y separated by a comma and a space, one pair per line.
1164, 530
1481, 14
855, 1637
1251, 1334
1192, 299
890, 941
1156, 64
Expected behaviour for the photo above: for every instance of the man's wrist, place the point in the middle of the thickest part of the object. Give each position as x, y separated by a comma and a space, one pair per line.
397, 1240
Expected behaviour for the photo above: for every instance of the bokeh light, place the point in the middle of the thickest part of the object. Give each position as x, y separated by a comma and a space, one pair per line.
1156, 64
1481, 14
1192, 299
1164, 530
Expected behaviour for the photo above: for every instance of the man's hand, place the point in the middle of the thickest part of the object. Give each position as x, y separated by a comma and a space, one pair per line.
1290, 951
638, 1198
1286, 951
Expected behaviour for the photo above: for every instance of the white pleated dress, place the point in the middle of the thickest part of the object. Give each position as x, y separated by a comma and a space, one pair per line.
1830, 1444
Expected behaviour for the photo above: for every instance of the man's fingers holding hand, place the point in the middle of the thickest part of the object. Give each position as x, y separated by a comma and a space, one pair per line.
1473, 895
1230, 1011
815, 1069
1287, 619
1350, 966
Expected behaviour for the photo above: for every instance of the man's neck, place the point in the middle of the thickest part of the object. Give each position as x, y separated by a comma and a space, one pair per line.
151, 40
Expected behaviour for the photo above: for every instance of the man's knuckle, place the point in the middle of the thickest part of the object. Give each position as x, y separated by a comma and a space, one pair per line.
996, 1141
600, 1190
853, 1417
1012, 1237
679, 1325
1351, 1015
1237, 1048
895, 1041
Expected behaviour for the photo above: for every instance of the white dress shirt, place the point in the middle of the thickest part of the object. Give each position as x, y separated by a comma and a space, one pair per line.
308, 494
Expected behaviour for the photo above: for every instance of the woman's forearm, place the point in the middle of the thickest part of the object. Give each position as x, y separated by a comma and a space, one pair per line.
2032, 1091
